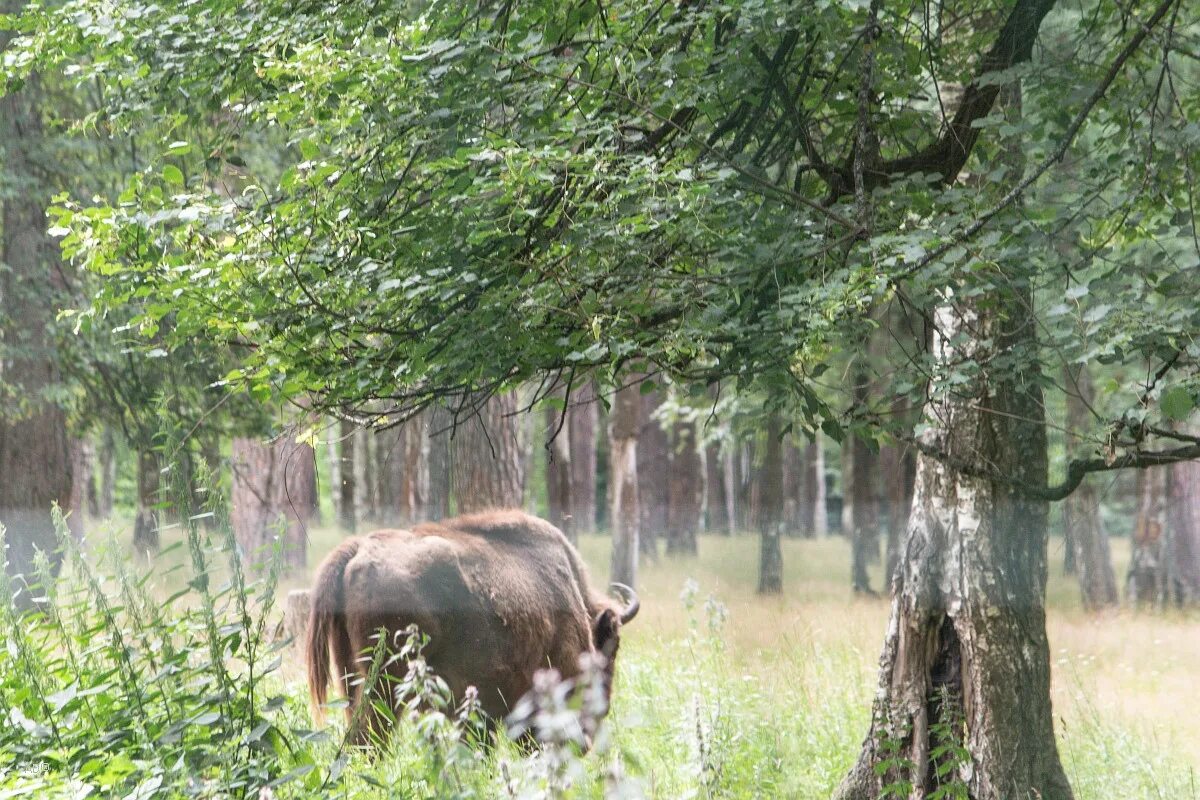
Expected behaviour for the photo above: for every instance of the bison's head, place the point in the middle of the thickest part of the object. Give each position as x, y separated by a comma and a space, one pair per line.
606, 627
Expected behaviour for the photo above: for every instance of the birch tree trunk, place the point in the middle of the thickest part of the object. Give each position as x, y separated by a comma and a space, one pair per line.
1081, 512
488, 462
966, 653
820, 491
624, 424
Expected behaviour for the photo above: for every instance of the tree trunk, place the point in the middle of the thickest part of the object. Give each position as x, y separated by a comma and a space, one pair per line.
1146, 581
1083, 526
559, 491
793, 487
107, 479
860, 516
81, 480
653, 468
965, 662
820, 491
1183, 524
624, 516
410, 471
720, 515
581, 428
488, 462
898, 464
437, 442
348, 492
145, 522
770, 512
270, 497
389, 459
332, 436
35, 457
364, 490
686, 483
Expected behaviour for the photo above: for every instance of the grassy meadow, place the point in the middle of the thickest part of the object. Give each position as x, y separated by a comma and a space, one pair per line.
720, 693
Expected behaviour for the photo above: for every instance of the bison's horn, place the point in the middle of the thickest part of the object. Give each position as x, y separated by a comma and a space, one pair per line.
632, 604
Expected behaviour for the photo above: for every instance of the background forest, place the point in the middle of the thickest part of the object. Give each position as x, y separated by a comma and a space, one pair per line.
812, 321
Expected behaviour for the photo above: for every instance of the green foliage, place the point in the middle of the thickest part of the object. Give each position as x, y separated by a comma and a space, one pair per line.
606, 187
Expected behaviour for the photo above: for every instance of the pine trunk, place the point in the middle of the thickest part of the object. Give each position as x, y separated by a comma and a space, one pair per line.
488, 460
624, 516
770, 512
1085, 532
719, 513
437, 442
966, 663
82, 456
686, 497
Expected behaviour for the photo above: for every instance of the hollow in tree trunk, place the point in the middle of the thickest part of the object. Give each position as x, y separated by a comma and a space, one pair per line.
686, 490
488, 459
1086, 537
624, 424
965, 655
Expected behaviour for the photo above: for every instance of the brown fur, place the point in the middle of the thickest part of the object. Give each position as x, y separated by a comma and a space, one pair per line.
500, 594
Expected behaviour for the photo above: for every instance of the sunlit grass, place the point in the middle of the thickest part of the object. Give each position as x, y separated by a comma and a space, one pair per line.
722, 693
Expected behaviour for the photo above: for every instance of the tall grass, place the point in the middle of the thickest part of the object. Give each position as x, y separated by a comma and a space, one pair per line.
163, 681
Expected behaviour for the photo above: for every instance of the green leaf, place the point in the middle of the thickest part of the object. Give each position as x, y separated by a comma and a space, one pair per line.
173, 175
1176, 403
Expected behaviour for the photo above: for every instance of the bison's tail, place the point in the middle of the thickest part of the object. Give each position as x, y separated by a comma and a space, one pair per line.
327, 626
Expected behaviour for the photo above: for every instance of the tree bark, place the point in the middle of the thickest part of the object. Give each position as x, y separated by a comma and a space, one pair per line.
1146, 580
686, 484
146, 540
488, 461
437, 442
333, 449
898, 464
270, 498
107, 478
770, 512
966, 658
624, 425
35, 457
559, 490
1183, 522
860, 515
820, 492
82, 456
794, 487
348, 510
582, 428
1083, 526
653, 468
720, 515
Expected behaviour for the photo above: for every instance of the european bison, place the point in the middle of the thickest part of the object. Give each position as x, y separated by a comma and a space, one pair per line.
500, 595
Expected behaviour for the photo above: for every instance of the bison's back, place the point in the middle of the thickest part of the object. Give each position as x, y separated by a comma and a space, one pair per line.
497, 605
